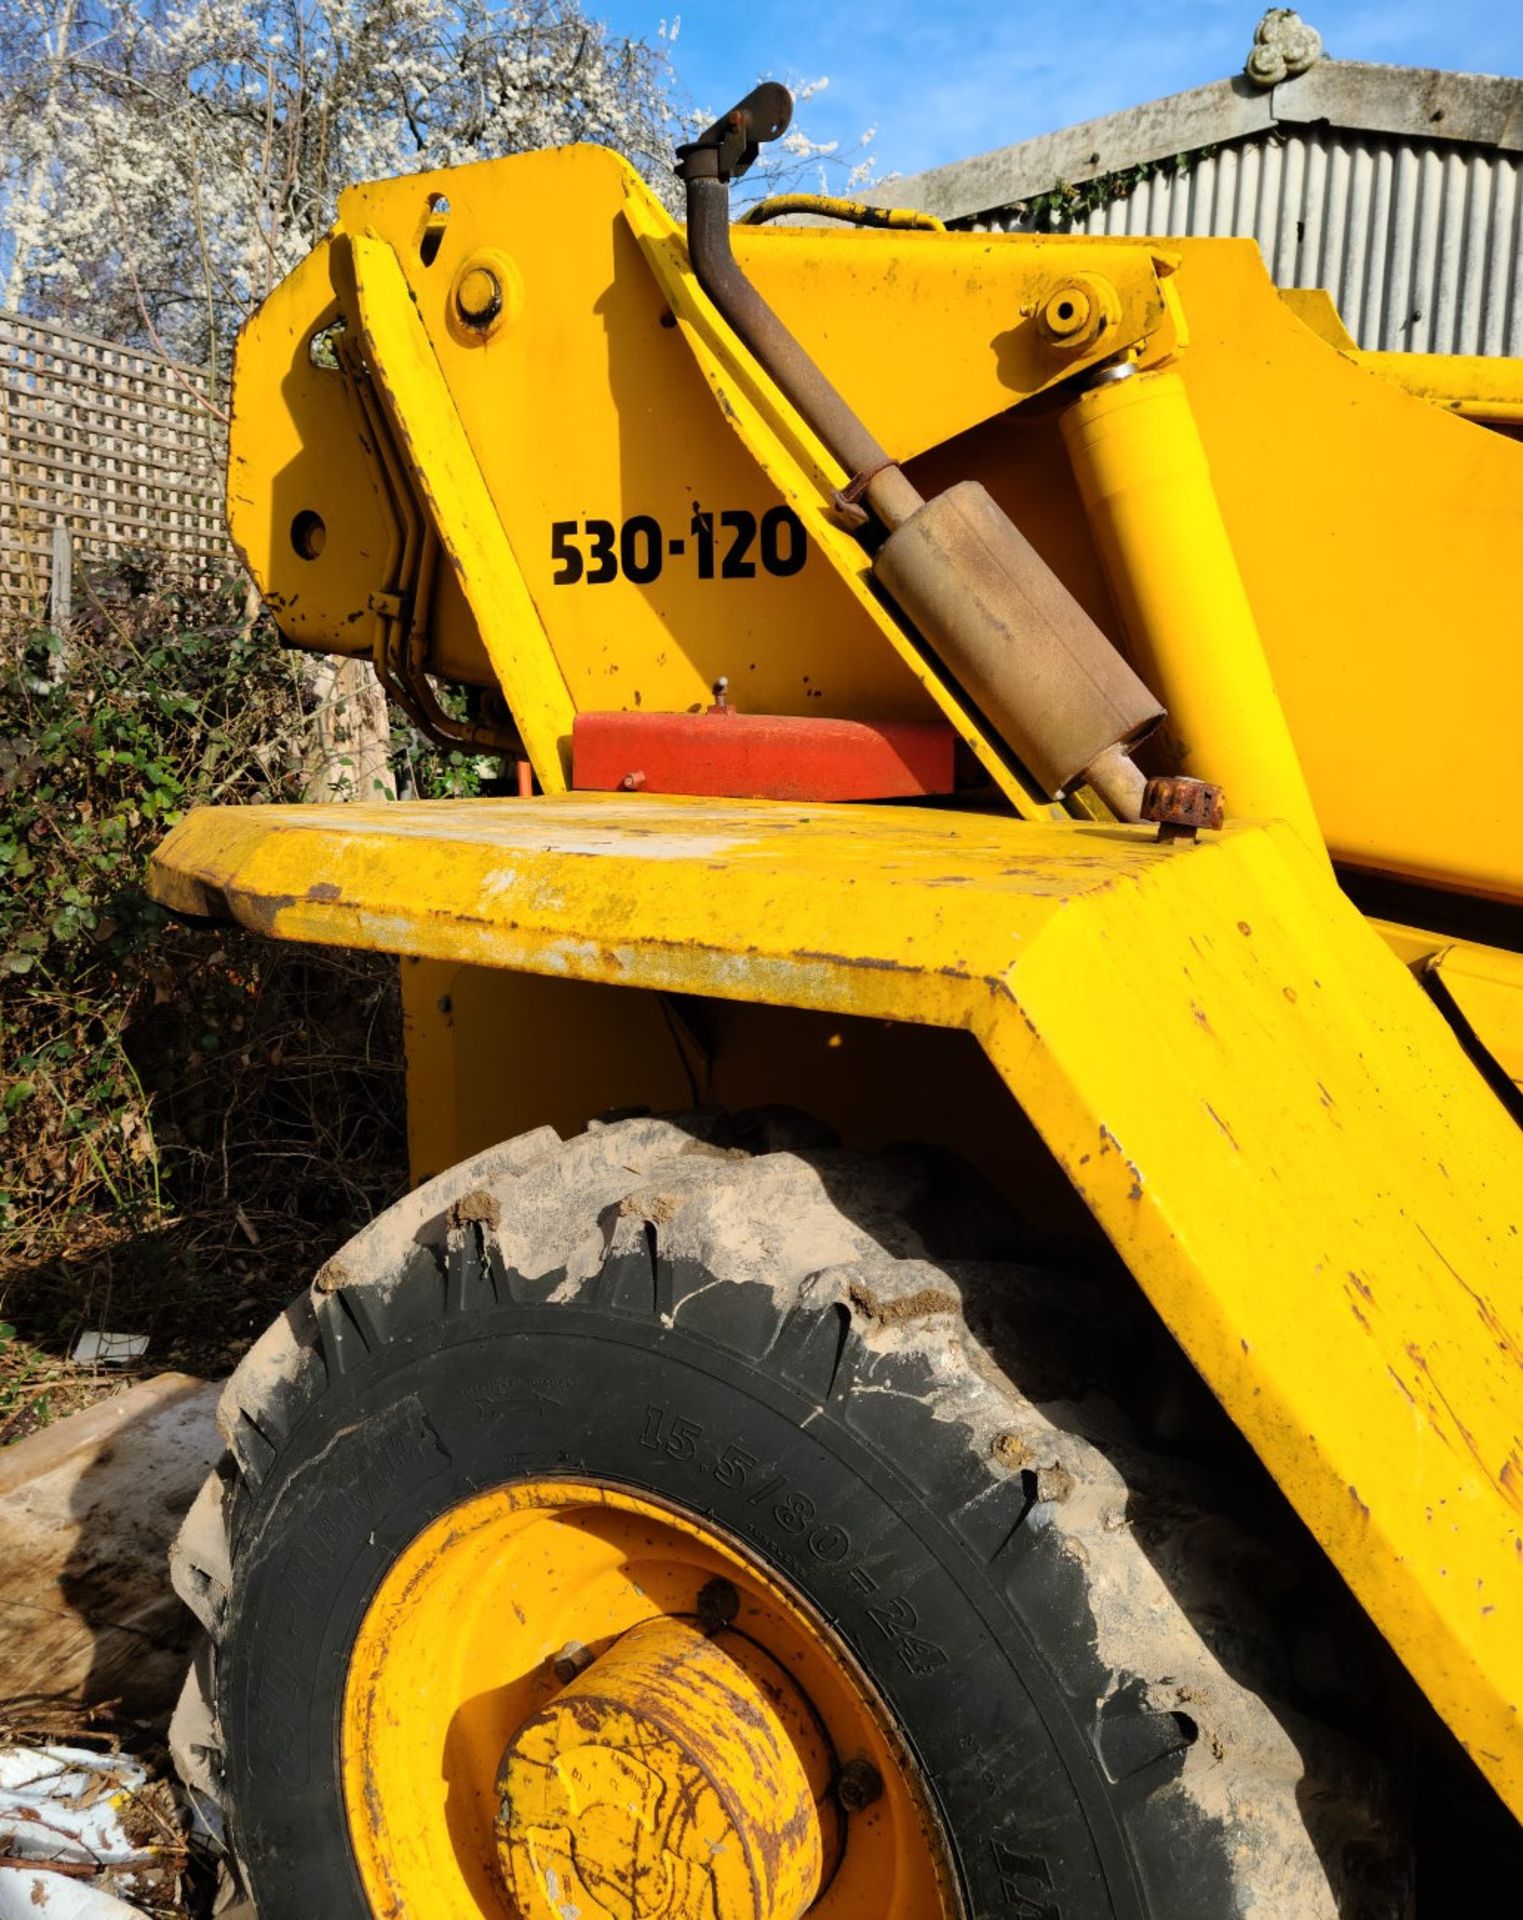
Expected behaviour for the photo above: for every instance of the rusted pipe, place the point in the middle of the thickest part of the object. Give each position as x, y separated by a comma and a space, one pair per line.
1045, 677
887, 493
1041, 672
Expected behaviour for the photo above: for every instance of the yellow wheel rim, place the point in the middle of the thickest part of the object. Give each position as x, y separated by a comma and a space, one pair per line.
568, 1698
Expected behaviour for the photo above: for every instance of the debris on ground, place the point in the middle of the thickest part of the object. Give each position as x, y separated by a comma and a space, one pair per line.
93, 1649
86, 1836
29, 1892
88, 1510
109, 1349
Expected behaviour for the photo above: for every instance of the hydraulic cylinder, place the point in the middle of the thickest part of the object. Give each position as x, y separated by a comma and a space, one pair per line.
1147, 490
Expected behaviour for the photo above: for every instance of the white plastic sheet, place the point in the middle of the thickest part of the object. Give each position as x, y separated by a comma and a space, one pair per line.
28, 1895
68, 1807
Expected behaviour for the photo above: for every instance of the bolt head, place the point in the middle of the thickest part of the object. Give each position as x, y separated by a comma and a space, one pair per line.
478, 298
1078, 312
1183, 806
573, 1658
718, 1605
859, 1785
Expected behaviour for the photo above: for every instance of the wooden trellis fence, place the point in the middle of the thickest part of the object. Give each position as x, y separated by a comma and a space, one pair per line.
105, 453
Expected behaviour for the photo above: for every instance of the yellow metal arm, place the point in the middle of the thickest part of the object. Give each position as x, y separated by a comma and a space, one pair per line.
1475, 388
465, 521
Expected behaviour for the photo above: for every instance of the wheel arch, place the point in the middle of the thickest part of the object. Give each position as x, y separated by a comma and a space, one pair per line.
1275, 1130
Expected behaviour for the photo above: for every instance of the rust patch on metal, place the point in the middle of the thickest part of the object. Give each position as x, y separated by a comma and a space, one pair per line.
1487, 1312
1110, 1144
1505, 1479
1182, 807
256, 911
1224, 1127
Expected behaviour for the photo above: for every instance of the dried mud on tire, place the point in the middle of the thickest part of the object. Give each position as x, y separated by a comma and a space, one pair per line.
1076, 1645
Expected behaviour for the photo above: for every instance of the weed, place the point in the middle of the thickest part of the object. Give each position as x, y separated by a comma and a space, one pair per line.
189, 1119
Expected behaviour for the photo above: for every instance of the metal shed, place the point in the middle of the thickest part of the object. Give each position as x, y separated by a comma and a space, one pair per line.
1398, 189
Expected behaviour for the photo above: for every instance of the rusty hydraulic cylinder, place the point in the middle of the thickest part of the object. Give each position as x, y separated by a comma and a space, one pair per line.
1044, 675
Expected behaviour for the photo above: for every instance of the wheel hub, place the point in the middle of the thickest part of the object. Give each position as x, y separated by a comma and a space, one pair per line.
665, 1783
572, 1701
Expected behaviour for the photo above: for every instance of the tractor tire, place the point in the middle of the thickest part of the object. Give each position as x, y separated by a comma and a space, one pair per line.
844, 1364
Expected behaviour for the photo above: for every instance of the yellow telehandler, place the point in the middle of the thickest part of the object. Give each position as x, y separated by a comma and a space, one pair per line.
1011, 1408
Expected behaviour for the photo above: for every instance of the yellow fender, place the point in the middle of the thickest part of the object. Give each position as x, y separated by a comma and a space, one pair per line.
1265, 1114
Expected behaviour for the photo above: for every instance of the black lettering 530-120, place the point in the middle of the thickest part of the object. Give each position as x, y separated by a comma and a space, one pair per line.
784, 544
640, 549
595, 552
568, 558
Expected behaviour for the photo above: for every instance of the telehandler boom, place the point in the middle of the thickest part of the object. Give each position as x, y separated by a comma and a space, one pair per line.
1009, 744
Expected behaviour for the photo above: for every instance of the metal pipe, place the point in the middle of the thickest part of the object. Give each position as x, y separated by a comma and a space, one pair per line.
891, 497
1046, 678
827, 206
1041, 672
1119, 781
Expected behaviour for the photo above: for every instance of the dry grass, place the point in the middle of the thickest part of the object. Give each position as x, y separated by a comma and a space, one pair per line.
190, 1120
267, 1151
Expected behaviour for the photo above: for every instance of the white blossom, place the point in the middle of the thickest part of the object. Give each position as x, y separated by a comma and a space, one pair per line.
164, 163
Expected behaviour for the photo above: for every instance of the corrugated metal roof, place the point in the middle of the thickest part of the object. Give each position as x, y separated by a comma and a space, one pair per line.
1400, 190
1420, 243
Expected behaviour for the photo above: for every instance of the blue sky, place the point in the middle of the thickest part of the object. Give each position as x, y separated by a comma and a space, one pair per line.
941, 79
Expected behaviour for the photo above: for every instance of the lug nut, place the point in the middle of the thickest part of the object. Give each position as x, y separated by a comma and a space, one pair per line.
573, 1658
859, 1785
478, 298
1182, 806
718, 1605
